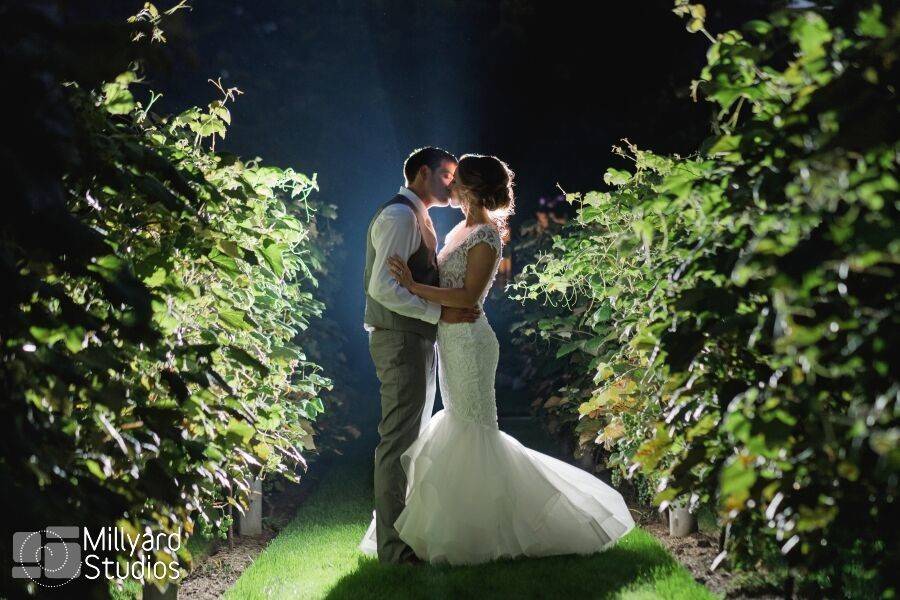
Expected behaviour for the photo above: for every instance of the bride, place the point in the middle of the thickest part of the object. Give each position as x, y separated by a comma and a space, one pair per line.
474, 493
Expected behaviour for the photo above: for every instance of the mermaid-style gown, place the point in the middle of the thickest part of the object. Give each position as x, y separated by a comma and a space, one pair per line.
474, 493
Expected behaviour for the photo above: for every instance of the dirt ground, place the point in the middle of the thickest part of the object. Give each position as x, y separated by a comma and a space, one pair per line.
222, 568
696, 552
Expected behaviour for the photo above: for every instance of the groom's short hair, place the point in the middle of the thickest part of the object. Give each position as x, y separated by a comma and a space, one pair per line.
430, 156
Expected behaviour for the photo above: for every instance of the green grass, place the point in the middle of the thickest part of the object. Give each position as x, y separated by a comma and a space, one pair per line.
315, 556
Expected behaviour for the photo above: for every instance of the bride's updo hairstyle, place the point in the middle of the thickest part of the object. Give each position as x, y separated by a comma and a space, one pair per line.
488, 182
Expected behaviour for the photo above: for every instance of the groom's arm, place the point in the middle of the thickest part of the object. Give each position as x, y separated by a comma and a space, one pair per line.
396, 231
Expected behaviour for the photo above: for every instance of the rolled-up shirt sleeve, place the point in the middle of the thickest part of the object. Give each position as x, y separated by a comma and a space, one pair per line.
395, 231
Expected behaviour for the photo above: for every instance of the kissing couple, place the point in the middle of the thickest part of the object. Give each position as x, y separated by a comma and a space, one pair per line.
453, 488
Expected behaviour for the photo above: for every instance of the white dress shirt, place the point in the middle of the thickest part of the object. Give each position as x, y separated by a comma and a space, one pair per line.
396, 231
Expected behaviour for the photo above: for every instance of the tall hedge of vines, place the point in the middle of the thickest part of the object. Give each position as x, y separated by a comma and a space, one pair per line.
731, 317
153, 290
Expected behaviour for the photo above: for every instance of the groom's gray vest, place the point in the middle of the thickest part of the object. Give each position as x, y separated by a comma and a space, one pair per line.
422, 263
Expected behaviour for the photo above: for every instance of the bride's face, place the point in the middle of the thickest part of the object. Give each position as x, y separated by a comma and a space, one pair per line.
458, 195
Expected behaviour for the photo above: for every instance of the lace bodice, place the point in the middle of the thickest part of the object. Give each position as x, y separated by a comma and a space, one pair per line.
453, 258
468, 351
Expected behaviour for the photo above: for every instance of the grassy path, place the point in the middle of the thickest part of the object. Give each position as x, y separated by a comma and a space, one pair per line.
316, 557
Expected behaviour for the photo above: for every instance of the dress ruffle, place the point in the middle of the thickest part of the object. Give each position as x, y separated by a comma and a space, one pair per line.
476, 494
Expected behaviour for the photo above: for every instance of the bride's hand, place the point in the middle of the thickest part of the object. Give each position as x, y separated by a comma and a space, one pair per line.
400, 271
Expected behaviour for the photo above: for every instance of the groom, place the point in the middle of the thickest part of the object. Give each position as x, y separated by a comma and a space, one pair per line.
402, 330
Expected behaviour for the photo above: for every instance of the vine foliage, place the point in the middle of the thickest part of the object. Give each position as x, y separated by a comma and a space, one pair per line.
731, 314
154, 291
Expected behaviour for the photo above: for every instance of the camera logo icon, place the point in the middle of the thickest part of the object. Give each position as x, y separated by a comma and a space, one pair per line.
50, 557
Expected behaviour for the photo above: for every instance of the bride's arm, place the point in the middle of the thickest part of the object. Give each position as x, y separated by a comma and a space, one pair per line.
478, 274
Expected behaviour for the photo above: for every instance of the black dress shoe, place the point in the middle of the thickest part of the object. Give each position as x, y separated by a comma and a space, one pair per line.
412, 559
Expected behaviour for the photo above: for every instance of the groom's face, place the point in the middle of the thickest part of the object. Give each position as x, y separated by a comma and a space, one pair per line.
439, 183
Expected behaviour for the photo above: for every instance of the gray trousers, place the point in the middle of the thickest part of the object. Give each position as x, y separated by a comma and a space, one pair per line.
405, 365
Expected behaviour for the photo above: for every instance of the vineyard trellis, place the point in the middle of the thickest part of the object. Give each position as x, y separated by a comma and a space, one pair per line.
724, 321
155, 291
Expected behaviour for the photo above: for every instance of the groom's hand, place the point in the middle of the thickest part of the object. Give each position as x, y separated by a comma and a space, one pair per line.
459, 315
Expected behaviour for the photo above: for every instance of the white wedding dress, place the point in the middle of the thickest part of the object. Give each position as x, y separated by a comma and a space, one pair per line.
474, 493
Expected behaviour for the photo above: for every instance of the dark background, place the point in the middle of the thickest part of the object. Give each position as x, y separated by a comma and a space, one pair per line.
347, 89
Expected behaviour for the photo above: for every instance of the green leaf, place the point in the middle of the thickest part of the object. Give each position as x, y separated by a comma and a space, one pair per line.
274, 255
95, 469
811, 33
245, 358
871, 24
738, 477
602, 315
758, 26
616, 177
230, 248
234, 318
118, 100
287, 352
240, 429
569, 347
225, 262
157, 278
